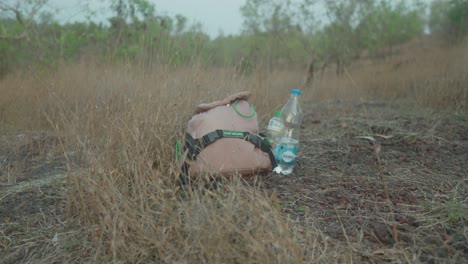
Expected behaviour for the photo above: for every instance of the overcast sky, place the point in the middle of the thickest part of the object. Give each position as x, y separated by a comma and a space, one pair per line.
215, 15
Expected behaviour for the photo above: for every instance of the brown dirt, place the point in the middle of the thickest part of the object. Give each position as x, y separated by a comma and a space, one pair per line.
400, 191
408, 189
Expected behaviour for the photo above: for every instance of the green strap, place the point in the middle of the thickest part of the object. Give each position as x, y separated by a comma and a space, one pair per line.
242, 115
178, 150
195, 146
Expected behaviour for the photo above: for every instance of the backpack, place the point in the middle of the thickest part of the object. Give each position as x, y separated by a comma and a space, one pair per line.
223, 139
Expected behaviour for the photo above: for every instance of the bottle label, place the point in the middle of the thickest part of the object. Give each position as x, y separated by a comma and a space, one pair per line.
288, 155
275, 125
277, 151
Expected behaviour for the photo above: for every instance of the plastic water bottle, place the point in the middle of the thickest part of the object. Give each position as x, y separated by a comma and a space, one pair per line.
289, 143
275, 131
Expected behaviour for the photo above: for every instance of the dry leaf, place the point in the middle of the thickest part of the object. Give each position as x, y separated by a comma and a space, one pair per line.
55, 240
369, 138
395, 232
383, 136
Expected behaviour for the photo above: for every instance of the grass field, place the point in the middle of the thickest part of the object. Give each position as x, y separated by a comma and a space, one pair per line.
87, 171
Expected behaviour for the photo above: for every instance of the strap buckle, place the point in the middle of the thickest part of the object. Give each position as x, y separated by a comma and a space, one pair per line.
254, 139
211, 137
263, 146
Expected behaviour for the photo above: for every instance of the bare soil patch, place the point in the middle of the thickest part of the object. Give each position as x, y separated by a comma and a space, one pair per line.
375, 176
409, 188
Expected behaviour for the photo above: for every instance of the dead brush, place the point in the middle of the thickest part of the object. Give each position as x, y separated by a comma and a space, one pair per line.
22, 100
124, 202
435, 77
128, 196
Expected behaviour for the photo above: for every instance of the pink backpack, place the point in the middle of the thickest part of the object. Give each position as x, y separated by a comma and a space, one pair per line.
223, 139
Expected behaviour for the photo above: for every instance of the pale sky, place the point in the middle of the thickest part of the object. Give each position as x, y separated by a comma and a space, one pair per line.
215, 15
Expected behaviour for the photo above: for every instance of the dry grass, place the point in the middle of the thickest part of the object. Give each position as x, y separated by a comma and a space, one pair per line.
425, 74
120, 201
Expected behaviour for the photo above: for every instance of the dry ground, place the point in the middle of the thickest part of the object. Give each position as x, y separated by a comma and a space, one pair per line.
409, 188
406, 190
87, 167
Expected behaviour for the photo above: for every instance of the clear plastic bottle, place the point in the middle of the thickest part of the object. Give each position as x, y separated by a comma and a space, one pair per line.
289, 143
275, 131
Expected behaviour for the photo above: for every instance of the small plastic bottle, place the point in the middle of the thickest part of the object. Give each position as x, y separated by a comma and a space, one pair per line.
289, 143
275, 131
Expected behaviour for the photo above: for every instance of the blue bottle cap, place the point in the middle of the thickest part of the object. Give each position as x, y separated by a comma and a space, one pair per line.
296, 92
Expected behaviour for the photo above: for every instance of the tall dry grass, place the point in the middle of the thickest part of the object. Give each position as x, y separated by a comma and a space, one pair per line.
425, 73
122, 127
119, 123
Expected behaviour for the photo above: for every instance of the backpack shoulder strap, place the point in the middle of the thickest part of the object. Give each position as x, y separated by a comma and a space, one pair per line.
195, 146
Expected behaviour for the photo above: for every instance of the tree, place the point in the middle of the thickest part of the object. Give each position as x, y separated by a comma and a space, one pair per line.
270, 27
181, 24
133, 9
387, 24
438, 18
336, 43
357, 25
449, 18
24, 12
20, 39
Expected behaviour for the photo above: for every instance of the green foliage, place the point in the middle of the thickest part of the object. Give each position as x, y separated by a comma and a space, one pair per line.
266, 16
271, 34
438, 18
132, 8
387, 24
449, 18
456, 212
457, 208
458, 17
275, 33
133, 33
